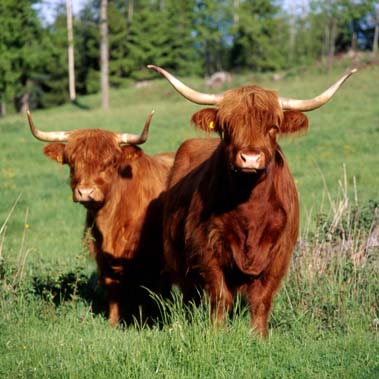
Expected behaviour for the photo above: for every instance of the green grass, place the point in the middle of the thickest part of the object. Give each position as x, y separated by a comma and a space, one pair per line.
324, 321
70, 343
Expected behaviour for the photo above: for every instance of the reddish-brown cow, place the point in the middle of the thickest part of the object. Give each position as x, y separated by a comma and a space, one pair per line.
231, 216
120, 187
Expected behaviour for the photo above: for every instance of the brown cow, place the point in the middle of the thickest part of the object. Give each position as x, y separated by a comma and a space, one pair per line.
231, 216
120, 187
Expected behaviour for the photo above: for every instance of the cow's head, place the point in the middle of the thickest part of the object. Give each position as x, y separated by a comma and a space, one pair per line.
248, 119
96, 157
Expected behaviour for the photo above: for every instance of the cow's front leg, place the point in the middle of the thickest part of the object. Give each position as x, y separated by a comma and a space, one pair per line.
221, 298
113, 288
261, 293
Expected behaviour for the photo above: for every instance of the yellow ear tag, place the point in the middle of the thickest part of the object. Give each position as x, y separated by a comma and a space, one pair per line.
211, 125
59, 159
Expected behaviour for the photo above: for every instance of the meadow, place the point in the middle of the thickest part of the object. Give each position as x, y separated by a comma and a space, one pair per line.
325, 319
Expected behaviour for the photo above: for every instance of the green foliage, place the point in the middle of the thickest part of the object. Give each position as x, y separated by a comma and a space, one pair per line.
59, 287
161, 35
86, 36
21, 39
258, 45
187, 37
54, 79
181, 54
118, 42
146, 42
212, 21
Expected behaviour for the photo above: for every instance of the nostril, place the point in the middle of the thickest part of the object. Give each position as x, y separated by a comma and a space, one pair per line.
251, 159
85, 193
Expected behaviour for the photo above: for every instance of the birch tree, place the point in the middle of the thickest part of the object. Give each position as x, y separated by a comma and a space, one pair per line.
71, 64
104, 55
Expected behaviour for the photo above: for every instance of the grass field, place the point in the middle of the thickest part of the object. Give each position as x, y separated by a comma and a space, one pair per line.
326, 317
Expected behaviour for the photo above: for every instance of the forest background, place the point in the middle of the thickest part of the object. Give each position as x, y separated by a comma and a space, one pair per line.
187, 37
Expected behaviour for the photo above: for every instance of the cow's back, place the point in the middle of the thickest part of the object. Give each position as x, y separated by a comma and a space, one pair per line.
165, 159
191, 154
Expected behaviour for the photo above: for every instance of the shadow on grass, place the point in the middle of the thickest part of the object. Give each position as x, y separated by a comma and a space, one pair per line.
72, 286
77, 286
80, 105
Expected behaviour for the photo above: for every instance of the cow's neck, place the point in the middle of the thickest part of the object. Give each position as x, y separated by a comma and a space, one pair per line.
116, 224
236, 188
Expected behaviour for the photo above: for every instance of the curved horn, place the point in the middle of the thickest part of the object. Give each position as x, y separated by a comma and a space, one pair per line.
187, 92
135, 139
316, 102
46, 136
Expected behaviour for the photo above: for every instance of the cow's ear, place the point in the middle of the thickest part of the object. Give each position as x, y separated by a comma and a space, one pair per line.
55, 151
206, 119
129, 154
294, 122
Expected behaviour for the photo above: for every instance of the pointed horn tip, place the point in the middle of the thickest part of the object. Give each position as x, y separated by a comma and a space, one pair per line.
154, 68
150, 116
30, 120
148, 120
348, 74
353, 71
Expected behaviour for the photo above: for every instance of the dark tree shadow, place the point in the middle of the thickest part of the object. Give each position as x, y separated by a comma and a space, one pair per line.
79, 105
71, 286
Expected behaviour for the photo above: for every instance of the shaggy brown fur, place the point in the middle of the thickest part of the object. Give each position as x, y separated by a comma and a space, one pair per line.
124, 221
227, 229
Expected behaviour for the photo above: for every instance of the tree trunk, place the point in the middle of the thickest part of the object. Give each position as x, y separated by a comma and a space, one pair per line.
292, 32
354, 41
3, 110
376, 34
332, 43
325, 46
236, 5
130, 10
71, 65
24, 103
104, 55
129, 18
375, 41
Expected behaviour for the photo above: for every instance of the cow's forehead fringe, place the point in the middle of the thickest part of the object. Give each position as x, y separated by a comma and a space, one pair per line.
92, 144
250, 102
